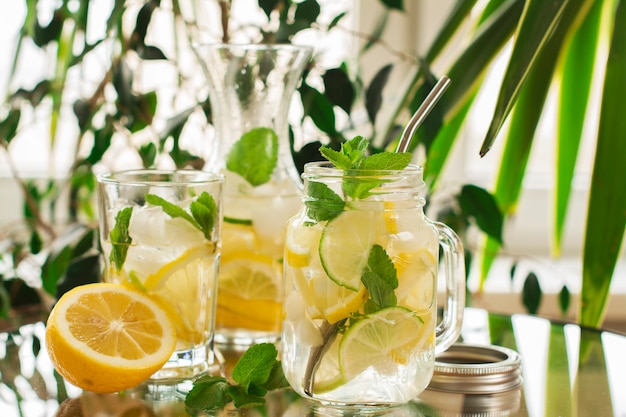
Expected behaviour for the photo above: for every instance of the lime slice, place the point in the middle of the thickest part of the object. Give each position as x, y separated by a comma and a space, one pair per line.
345, 245
382, 340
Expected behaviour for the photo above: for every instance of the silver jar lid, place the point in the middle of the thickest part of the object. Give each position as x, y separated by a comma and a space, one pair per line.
477, 369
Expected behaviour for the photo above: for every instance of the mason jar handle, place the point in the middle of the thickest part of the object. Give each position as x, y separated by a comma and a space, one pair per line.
449, 329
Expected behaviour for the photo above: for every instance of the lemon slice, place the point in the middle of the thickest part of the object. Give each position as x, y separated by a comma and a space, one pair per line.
345, 245
391, 217
417, 273
335, 302
157, 279
383, 341
106, 338
300, 239
182, 287
249, 293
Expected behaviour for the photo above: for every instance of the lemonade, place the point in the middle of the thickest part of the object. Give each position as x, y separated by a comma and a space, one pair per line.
160, 235
361, 265
249, 305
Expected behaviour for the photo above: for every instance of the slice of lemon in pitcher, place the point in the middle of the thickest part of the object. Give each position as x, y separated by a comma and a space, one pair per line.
249, 292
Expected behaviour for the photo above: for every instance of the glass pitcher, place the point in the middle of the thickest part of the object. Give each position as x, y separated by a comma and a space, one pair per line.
361, 270
251, 88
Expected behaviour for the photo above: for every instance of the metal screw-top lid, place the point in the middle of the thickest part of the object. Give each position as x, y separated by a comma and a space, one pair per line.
476, 369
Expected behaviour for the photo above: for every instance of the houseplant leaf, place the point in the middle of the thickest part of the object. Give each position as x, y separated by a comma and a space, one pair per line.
577, 75
469, 69
524, 121
538, 22
606, 218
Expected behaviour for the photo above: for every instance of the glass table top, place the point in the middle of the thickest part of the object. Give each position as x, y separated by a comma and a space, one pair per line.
567, 370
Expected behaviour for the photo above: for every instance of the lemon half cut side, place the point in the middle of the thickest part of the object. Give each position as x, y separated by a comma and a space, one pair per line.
106, 338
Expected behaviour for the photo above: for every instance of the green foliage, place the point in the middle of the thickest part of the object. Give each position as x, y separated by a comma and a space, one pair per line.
531, 293
550, 39
255, 373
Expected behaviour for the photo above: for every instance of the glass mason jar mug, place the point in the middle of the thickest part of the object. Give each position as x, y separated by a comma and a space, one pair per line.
361, 265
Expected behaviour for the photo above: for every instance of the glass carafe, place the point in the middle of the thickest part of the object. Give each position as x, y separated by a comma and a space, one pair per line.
251, 88
361, 273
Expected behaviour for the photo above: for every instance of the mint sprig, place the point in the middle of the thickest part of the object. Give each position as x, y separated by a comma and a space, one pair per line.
257, 372
254, 156
203, 211
351, 157
120, 238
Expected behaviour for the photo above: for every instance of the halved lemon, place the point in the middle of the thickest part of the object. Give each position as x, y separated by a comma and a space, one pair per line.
107, 338
249, 293
346, 243
382, 340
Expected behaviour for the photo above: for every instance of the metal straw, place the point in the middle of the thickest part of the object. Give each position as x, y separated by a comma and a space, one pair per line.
420, 114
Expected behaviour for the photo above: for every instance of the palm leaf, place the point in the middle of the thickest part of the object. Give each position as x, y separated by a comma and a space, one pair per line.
524, 122
576, 80
539, 19
606, 218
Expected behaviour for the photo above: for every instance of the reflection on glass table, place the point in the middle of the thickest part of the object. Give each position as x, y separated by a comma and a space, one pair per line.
567, 370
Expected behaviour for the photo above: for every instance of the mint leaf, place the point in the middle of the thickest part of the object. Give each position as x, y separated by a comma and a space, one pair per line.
242, 399
338, 159
322, 203
351, 154
355, 149
387, 160
254, 156
352, 157
380, 278
171, 209
255, 366
256, 372
120, 238
209, 393
277, 378
204, 212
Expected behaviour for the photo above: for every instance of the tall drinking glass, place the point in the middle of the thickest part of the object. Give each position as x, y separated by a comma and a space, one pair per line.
250, 90
361, 271
160, 234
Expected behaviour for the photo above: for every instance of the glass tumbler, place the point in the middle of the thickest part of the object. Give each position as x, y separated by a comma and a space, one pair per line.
361, 273
160, 234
